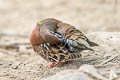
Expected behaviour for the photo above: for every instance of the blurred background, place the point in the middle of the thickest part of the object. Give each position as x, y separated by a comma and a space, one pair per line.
20, 16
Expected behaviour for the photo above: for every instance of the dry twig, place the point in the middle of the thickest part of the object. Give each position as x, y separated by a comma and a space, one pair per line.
13, 35
14, 44
108, 60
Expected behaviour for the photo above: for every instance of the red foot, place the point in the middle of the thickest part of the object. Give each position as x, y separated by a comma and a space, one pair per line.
53, 64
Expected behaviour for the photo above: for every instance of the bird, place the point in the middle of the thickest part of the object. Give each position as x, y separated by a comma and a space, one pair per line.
58, 42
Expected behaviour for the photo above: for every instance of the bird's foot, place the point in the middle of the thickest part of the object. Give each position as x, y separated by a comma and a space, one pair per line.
53, 64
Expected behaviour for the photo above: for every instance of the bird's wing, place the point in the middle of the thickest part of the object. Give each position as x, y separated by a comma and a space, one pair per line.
74, 37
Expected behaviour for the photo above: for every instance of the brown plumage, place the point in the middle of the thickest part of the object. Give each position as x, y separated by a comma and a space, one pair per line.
58, 42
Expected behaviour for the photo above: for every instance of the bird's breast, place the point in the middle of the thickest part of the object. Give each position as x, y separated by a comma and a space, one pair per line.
35, 37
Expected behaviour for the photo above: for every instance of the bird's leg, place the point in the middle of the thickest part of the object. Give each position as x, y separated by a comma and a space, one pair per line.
56, 63
53, 64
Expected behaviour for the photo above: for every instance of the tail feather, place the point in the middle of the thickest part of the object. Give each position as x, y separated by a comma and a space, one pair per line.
85, 44
73, 56
93, 43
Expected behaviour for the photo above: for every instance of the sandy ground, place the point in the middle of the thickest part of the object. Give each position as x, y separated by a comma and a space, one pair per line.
18, 18
20, 62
